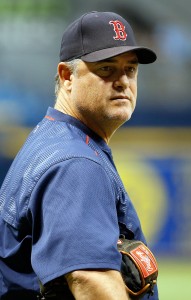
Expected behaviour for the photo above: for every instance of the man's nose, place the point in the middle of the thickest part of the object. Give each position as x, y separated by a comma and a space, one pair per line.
122, 81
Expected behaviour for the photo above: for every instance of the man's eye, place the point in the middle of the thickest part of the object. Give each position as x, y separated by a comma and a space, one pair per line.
105, 71
131, 69
106, 68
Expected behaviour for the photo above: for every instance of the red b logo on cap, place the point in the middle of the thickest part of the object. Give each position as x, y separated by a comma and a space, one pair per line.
119, 29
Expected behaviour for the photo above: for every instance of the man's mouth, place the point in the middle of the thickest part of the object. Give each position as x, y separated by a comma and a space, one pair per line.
121, 97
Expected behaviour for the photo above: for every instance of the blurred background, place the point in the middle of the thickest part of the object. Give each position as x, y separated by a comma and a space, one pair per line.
153, 150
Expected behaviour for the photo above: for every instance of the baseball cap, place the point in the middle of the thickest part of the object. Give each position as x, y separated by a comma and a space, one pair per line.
97, 36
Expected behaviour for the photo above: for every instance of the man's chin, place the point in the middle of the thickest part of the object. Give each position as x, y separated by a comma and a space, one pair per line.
124, 117
118, 121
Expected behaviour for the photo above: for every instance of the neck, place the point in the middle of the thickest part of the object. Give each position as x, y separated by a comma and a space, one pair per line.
63, 104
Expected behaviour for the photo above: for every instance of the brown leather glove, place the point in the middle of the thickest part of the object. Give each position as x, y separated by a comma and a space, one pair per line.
138, 268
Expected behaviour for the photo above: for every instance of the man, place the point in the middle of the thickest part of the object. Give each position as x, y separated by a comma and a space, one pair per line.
63, 205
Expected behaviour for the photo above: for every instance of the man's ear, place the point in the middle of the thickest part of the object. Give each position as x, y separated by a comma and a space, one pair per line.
65, 75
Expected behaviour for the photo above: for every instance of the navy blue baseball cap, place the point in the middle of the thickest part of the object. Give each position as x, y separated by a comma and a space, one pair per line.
97, 36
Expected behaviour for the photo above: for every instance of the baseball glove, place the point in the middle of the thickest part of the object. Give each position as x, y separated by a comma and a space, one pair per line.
138, 268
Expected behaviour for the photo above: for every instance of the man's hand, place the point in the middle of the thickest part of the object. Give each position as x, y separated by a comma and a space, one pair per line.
97, 284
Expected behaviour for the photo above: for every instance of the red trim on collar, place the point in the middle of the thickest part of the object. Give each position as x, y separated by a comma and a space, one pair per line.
49, 118
87, 139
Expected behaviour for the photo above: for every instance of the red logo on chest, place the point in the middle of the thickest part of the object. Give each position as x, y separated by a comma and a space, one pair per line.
119, 28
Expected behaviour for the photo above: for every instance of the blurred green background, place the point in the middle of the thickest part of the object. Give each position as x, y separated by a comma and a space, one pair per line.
153, 150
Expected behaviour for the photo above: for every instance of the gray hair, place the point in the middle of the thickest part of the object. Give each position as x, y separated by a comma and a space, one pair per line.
72, 65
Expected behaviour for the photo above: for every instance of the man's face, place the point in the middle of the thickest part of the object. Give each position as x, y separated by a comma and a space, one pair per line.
104, 93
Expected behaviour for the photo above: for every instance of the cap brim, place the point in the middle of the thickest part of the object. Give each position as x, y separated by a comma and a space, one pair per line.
144, 55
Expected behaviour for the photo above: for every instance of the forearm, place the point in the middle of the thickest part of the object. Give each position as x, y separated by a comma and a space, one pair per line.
94, 285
